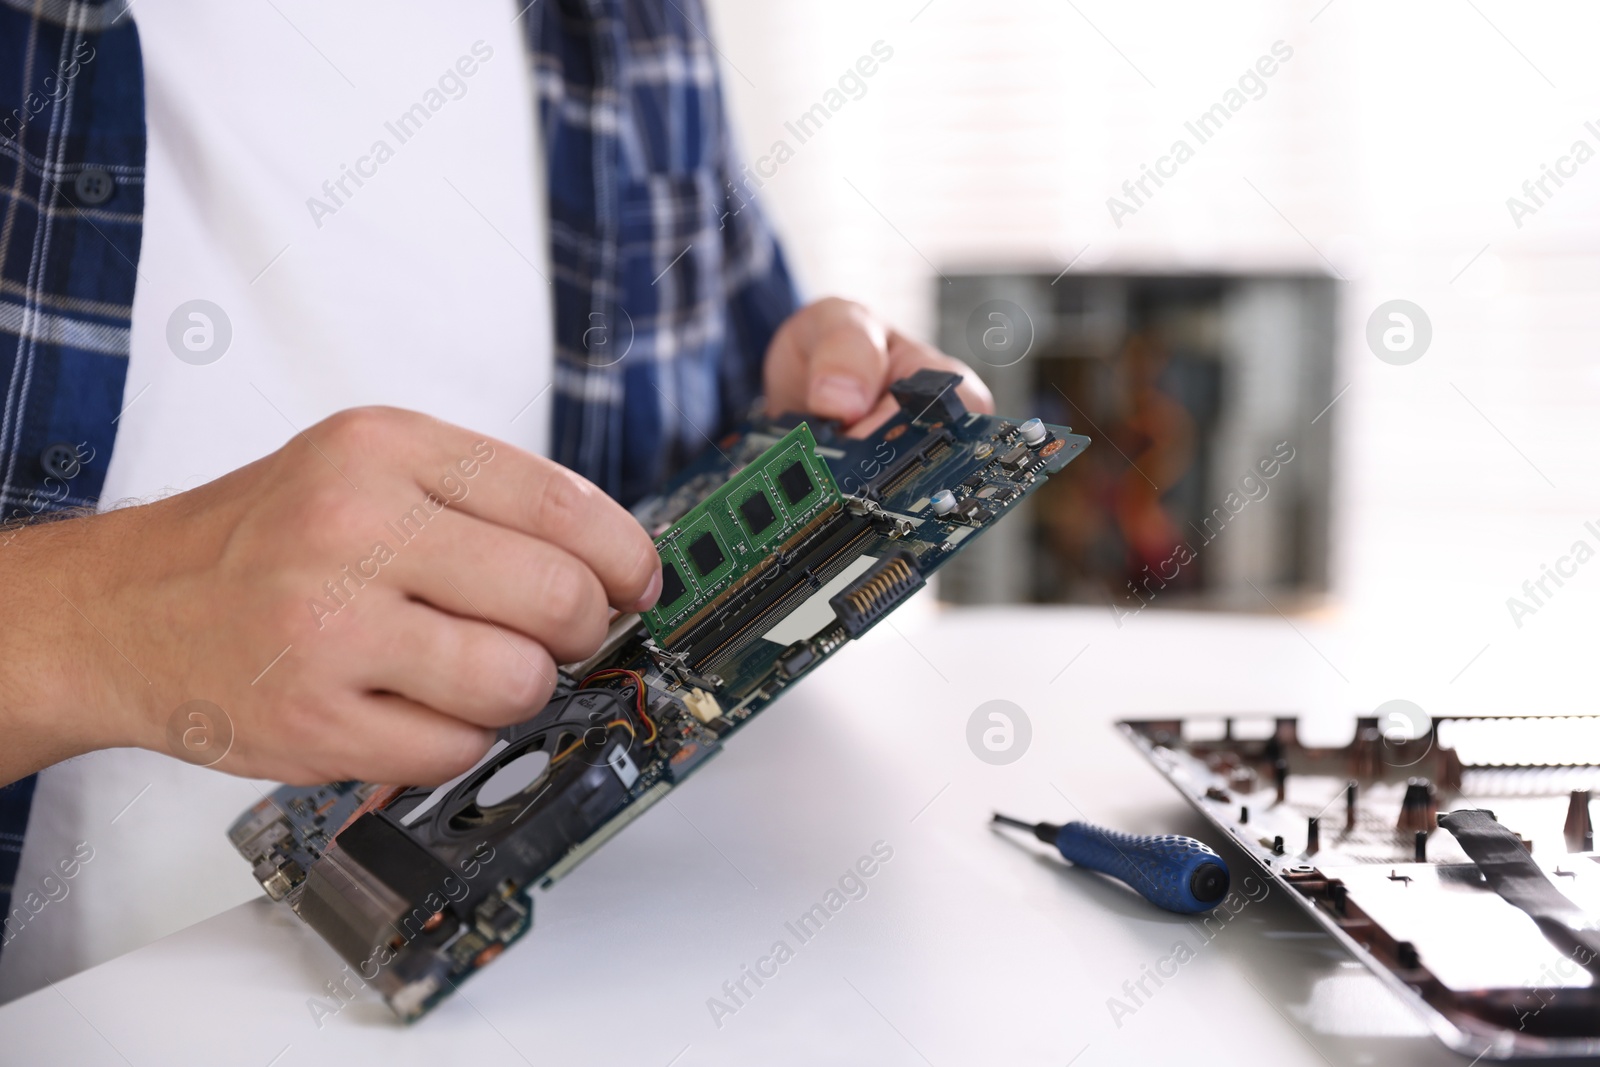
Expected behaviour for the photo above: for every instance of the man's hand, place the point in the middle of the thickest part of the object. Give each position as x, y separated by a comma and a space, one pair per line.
834, 359
370, 601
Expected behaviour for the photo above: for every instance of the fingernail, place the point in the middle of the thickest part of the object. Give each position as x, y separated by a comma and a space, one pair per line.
840, 396
651, 592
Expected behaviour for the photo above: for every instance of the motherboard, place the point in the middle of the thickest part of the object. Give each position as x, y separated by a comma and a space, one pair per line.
779, 545
1454, 856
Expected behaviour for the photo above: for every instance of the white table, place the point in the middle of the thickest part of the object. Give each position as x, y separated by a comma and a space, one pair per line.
968, 948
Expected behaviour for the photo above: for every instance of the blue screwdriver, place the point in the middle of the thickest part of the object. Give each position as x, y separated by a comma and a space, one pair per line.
1171, 871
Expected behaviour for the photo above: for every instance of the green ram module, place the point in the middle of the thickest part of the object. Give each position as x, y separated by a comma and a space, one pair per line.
735, 530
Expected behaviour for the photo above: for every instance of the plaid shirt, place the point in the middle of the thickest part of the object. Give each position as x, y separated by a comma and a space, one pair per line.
668, 285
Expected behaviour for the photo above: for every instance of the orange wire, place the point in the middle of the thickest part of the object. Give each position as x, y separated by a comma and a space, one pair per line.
638, 689
564, 753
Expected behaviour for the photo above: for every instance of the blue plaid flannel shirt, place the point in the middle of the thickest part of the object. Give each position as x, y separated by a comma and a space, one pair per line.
668, 284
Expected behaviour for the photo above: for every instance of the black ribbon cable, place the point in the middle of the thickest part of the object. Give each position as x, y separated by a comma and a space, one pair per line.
1511, 872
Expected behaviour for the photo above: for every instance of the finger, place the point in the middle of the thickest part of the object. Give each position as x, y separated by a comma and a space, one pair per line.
451, 467
547, 501
387, 738
907, 356
465, 668
847, 367
830, 359
882, 412
477, 570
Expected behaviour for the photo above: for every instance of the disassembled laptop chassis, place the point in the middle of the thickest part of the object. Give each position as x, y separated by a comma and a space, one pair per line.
1457, 864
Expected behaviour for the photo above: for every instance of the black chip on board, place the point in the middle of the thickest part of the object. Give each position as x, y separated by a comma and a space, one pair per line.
757, 512
706, 554
973, 511
672, 586
1016, 457
796, 482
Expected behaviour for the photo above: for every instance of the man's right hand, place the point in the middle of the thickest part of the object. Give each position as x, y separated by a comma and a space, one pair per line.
370, 601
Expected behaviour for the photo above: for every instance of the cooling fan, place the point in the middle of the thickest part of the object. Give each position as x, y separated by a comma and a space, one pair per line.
572, 749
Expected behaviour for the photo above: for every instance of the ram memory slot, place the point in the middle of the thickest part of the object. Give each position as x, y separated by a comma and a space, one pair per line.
781, 588
730, 597
707, 556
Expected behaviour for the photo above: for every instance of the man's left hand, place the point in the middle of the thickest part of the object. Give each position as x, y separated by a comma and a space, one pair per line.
834, 359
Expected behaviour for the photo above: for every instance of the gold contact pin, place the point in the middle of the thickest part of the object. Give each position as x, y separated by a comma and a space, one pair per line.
866, 599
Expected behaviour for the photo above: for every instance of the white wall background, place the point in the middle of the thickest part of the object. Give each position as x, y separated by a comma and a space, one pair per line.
1384, 150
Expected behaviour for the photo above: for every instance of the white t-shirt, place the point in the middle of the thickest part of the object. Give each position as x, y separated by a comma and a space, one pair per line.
414, 277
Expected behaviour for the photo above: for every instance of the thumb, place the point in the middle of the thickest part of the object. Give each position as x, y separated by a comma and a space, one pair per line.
831, 359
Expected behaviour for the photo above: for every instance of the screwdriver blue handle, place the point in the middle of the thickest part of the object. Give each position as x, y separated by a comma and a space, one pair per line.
1171, 871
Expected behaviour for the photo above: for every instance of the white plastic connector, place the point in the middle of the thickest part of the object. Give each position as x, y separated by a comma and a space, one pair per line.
702, 705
